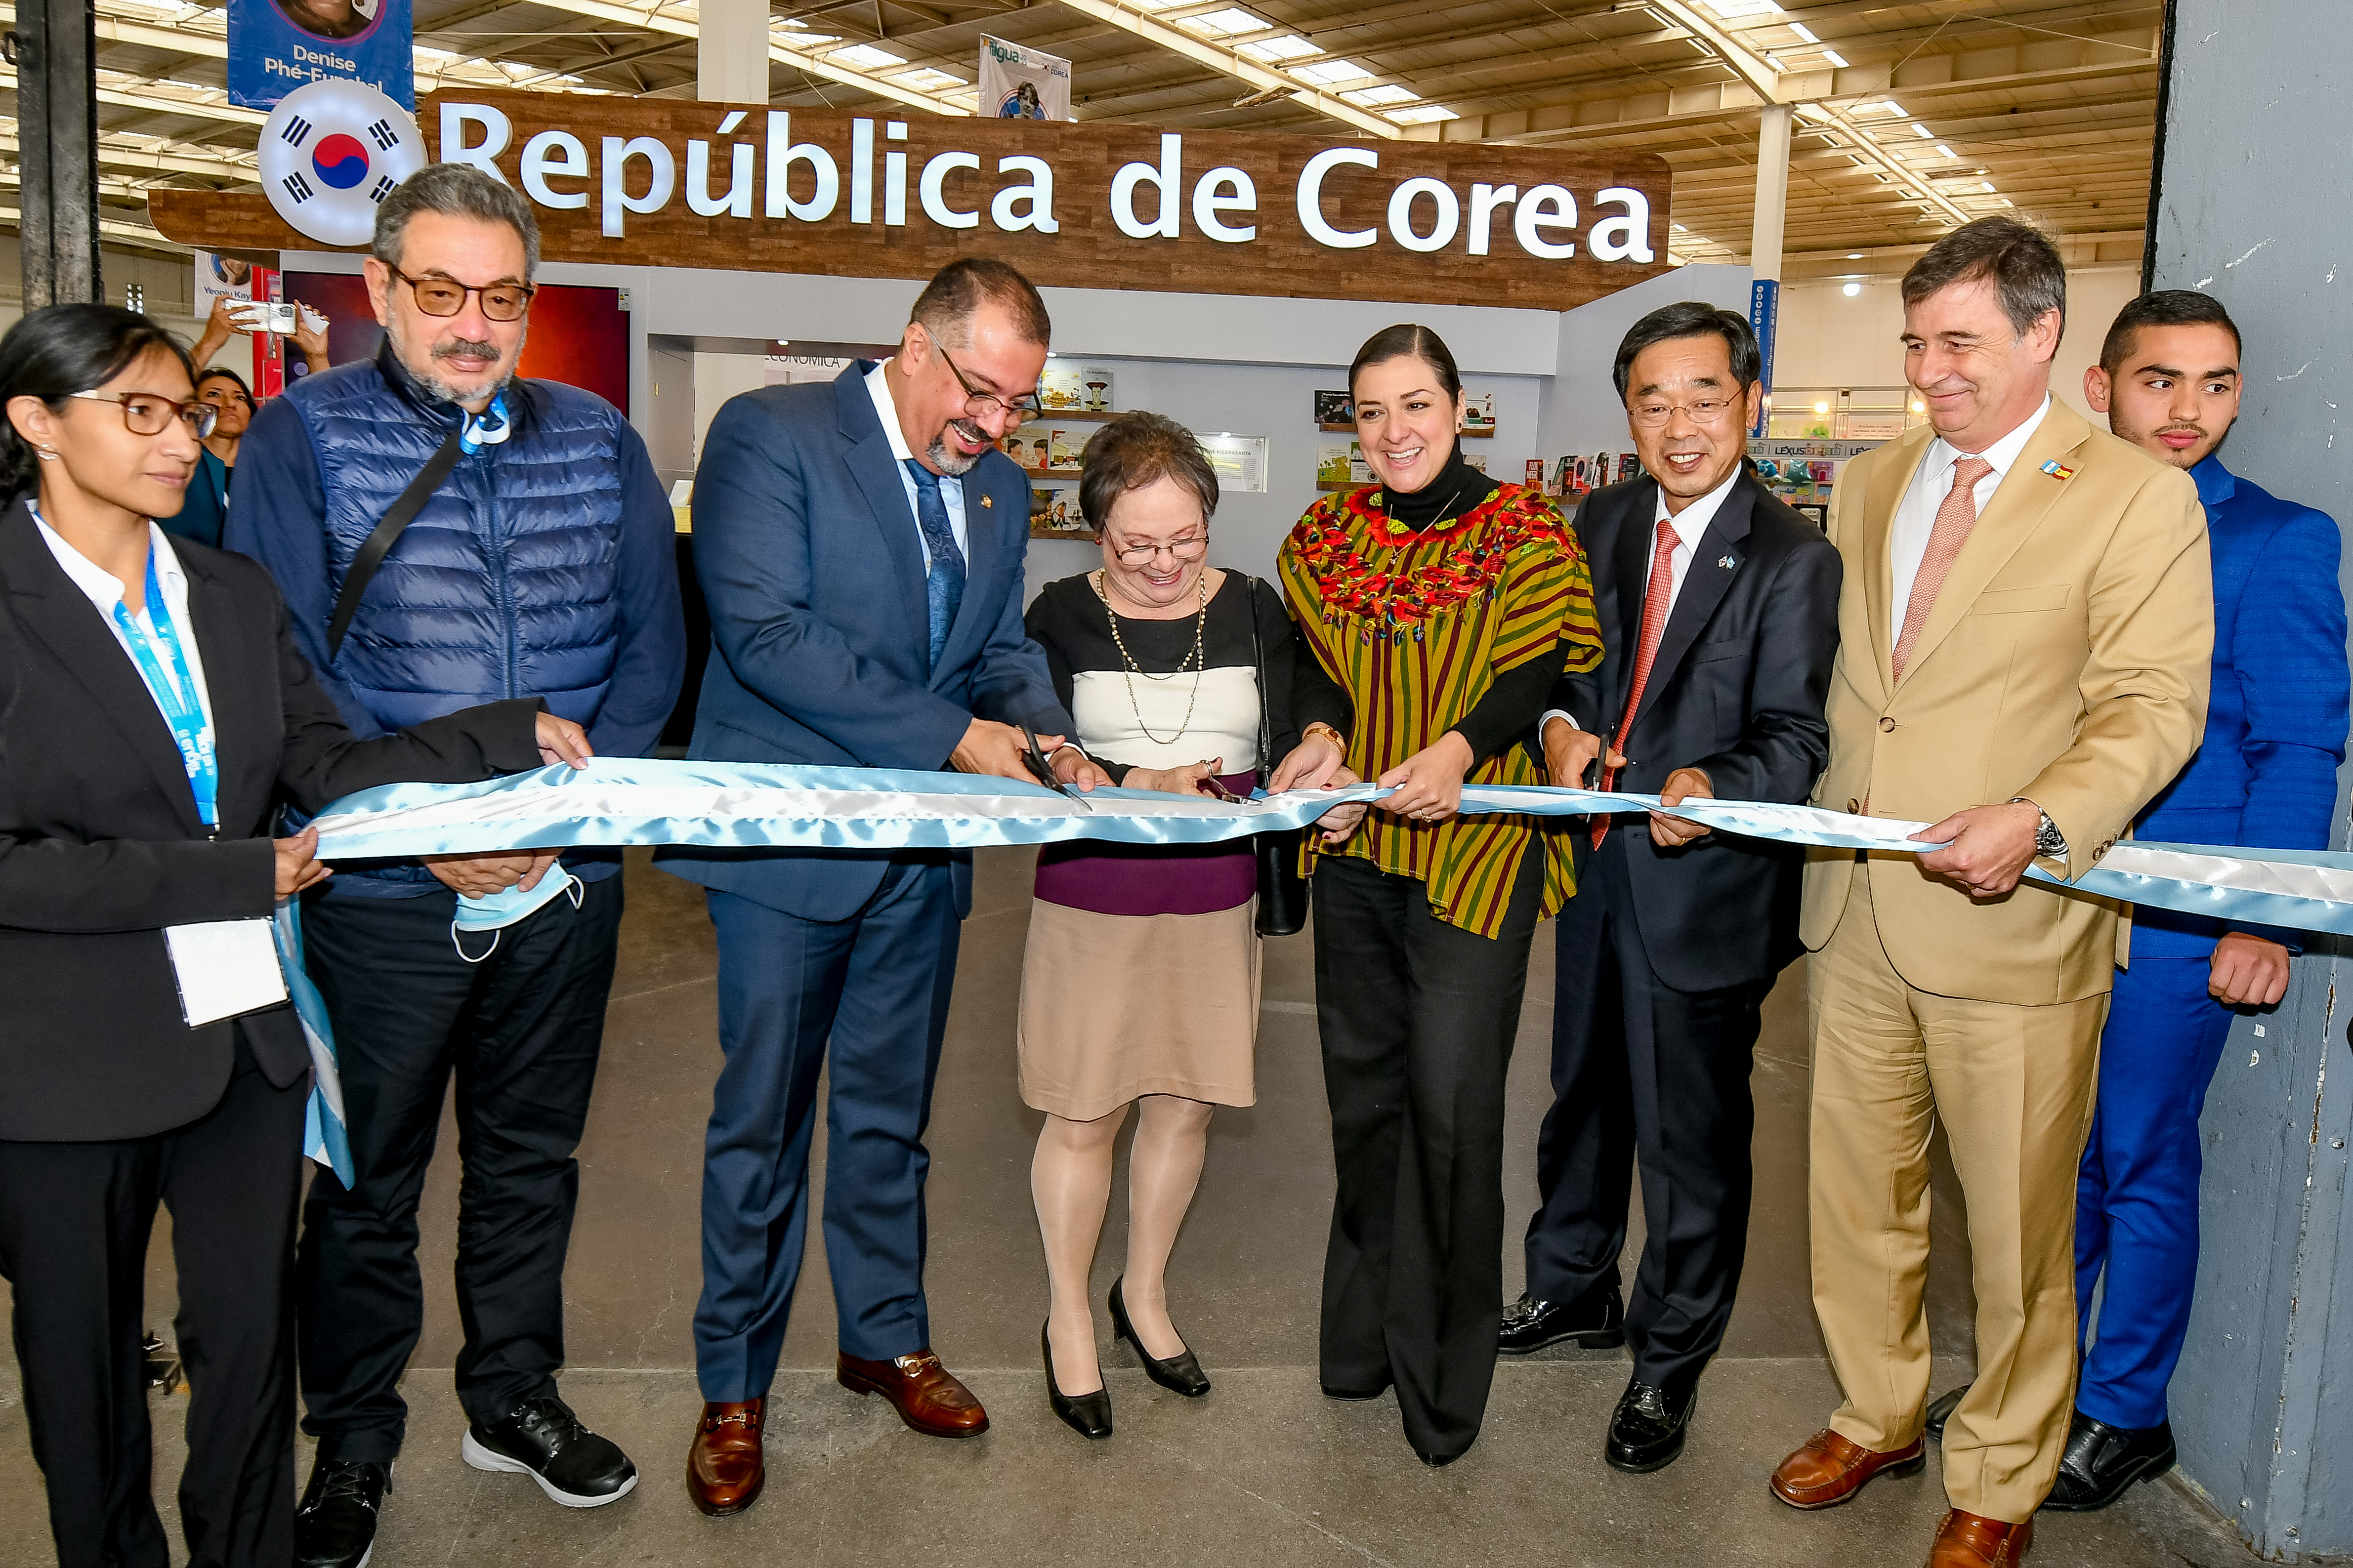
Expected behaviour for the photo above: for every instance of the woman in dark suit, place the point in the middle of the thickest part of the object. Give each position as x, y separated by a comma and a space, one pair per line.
154, 711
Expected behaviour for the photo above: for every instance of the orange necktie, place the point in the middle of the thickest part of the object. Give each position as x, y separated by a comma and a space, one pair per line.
1955, 518
1655, 603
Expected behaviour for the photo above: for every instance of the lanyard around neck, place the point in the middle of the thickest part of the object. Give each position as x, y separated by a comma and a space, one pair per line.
174, 687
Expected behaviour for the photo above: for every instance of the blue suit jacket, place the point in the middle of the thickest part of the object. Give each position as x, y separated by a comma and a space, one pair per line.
812, 565
2265, 776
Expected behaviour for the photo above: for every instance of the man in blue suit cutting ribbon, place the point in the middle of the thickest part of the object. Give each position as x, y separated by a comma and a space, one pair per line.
860, 547
2265, 777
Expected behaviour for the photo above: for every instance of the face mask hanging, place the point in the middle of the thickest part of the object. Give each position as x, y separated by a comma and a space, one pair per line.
501, 910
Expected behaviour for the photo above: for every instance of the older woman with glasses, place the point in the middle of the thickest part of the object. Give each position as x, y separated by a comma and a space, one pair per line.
1140, 985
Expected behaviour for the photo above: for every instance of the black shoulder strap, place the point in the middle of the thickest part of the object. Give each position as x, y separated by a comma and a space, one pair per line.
378, 544
1265, 704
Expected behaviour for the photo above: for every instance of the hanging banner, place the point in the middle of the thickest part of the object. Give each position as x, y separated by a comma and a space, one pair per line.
1022, 84
277, 45
642, 181
219, 277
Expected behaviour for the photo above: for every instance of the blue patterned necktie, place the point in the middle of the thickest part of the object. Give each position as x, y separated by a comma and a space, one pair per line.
943, 588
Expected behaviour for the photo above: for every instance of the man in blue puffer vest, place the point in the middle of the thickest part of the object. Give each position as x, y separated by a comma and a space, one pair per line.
541, 565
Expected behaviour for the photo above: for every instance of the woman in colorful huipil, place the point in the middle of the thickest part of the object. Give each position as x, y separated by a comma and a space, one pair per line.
1439, 606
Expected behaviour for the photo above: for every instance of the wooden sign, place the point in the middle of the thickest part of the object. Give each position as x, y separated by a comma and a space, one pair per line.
663, 183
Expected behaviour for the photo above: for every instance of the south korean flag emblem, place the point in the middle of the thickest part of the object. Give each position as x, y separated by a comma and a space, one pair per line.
330, 153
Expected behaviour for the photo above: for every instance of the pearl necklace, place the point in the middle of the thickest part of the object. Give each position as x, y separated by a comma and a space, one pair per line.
1133, 669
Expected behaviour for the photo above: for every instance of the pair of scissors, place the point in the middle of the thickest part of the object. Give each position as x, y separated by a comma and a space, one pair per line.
1034, 759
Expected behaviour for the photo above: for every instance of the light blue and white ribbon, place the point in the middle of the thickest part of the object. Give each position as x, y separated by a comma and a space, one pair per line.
748, 805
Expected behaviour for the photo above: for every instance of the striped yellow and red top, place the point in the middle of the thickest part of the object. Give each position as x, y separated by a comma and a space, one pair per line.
1415, 626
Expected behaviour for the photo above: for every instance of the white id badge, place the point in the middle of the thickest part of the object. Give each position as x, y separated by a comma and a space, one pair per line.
225, 968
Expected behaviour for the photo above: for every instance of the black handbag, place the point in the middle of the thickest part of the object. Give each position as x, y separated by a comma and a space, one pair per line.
1281, 888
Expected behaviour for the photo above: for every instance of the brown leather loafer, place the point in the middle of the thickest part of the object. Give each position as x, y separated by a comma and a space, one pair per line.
926, 1395
725, 1469
1829, 1469
1972, 1541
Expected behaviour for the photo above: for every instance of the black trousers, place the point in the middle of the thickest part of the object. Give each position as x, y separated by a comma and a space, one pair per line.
1639, 1066
74, 1224
520, 1031
1417, 1018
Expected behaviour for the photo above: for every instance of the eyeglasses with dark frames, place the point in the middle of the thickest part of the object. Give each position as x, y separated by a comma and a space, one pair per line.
447, 296
151, 413
978, 404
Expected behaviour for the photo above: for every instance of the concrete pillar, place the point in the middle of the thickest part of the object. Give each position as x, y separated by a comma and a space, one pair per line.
1764, 237
731, 60
2259, 1405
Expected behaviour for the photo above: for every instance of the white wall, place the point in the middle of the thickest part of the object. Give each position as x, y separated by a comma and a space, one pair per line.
1829, 340
1582, 411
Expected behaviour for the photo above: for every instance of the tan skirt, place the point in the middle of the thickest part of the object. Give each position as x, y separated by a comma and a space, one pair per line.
1114, 1006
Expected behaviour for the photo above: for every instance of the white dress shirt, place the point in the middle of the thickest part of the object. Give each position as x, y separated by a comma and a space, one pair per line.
878, 387
1690, 523
104, 591
1915, 515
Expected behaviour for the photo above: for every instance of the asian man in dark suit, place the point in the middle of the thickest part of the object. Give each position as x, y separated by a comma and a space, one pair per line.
1719, 613
860, 547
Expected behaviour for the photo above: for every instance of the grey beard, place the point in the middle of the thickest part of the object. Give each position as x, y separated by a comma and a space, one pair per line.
433, 385
946, 460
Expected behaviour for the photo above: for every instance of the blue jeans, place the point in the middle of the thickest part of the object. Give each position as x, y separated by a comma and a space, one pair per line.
2136, 1198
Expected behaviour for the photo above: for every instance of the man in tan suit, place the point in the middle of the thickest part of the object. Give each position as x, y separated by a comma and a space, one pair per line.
2024, 639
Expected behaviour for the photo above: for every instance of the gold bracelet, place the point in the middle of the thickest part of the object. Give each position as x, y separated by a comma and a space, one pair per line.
1337, 739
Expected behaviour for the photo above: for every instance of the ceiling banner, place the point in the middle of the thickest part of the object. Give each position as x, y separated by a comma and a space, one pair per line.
663, 183
1022, 84
277, 45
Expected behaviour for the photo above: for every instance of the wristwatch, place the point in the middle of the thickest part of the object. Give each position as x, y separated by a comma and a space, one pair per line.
2049, 842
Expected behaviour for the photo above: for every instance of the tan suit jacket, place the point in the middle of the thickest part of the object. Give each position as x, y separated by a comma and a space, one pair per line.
2067, 660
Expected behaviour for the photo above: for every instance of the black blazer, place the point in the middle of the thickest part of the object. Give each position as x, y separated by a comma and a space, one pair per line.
101, 846
1736, 690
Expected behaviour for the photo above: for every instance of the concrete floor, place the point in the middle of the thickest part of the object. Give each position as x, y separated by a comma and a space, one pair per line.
1263, 1471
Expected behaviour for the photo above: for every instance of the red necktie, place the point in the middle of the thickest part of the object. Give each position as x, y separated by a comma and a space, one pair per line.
1655, 625
1955, 518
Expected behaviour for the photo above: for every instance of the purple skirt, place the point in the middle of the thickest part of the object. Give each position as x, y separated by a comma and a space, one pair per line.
1151, 879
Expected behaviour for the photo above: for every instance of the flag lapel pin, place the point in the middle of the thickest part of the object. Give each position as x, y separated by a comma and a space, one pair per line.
2058, 471
1726, 561
988, 501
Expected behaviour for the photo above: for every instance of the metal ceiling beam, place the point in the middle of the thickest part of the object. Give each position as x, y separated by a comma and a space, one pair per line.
135, 233
813, 65
115, 29
115, 155
150, 104
1241, 68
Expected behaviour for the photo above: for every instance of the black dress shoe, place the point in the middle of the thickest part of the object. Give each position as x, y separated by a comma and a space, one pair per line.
1646, 1433
2102, 1461
1436, 1461
1180, 1373
1941, 1408
1596, 1323
542, 1439
1088, 1414
334, 1525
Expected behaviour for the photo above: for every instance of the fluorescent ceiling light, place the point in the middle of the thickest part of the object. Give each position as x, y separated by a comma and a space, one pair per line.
1324, 73
1728, 9
1851, 290
1678, 229
1804, 32
1987, 183
1775, 61
1888, 106
1923, 133
1948, 151
1374, 96
1835, 59
924, 79
1223, 24
1422, 114
866, 57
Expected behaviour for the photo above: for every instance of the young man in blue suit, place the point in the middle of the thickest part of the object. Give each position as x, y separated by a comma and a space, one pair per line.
860, 547
2264, 777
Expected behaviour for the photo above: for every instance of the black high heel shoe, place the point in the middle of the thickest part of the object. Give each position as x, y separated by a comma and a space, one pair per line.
1088, 1414
1180, 1373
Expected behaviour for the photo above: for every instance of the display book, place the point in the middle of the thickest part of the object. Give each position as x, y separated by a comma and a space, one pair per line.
1077, 401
